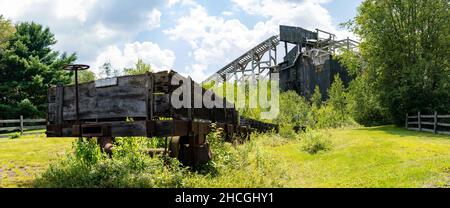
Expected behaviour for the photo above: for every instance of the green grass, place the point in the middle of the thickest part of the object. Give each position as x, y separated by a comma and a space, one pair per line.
39, 131
365, 157
372, 157
22, 159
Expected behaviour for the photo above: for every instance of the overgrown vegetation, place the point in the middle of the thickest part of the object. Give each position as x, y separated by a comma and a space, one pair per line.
14, 135
404, 58
131, 166
298, 114
314, 142
364, 157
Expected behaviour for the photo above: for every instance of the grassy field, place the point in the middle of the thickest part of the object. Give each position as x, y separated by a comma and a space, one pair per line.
372, 157
21, 159
365, 157
26, 132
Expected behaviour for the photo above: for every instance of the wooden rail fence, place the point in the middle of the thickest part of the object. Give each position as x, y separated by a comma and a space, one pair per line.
428, 123
22, 124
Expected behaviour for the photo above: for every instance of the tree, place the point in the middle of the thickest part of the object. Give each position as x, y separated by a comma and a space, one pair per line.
140, 68
316, 99
338, 97
85, 76
7, 30
294, 110
363, 101
107, 70
406, 46
29, 66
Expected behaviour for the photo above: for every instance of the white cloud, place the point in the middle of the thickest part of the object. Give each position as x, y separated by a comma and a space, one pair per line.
77, 9
149, 52
216, 41
309, 14
73, 8
87, 26
171, 3
227, 13
197, 72
154, 19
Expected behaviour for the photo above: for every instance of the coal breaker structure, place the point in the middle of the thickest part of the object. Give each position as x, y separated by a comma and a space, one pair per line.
308, 61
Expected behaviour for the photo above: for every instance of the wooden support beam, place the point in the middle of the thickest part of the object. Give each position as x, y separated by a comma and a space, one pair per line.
21, 125
435, 122
419, 121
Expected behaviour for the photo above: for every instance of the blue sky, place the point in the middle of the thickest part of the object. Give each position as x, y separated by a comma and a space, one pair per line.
195, 38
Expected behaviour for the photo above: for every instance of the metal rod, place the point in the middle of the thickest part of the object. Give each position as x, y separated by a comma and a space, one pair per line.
76, 97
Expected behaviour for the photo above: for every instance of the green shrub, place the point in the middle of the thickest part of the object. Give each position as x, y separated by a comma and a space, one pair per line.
128, 167
244, 165
328, 117
287, 130
294, 111
15, 135
7, 112
27, 109
364, 103
314, 142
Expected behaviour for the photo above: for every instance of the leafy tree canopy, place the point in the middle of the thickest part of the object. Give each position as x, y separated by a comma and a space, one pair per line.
406, 45
6, 31
85, 76
29, 65
140, 68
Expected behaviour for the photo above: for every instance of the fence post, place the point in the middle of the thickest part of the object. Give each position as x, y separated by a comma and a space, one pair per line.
435, 122
21, 125
406, 121
419, 121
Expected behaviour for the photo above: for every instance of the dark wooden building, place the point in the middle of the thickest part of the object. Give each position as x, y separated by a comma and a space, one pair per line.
310, 62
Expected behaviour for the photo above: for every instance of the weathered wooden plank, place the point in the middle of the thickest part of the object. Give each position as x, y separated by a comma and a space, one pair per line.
444, 132
34, 120
443, 116
10, 128
51, 113
219, 114
139, 81
427, 116
428, 130
162, 105
163, 128
51, 95
443, 124
34, 127
137, 128
110, 108
10, 121
203, 114
127, 99
59, 101
178, 128
413, 129
162, 82
181, 113
427, 123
